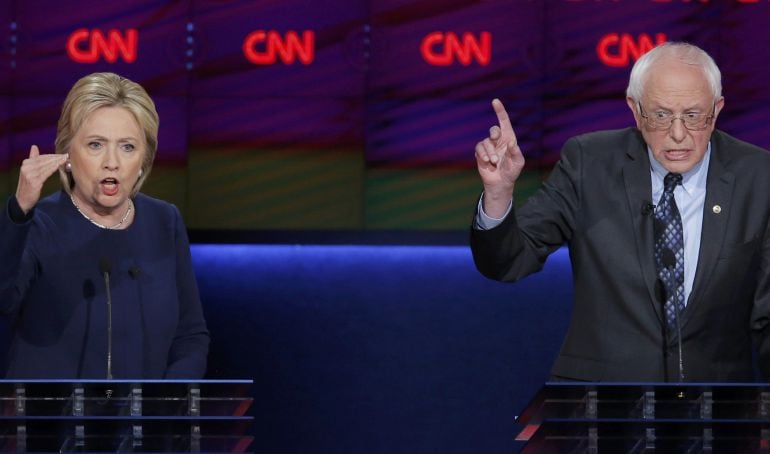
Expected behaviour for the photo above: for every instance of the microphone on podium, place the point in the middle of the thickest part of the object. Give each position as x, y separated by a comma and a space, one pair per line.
669, 261
105, 266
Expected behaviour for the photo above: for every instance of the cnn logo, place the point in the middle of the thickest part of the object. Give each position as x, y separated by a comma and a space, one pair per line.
267, 47
88, 46
616, 49
444, 49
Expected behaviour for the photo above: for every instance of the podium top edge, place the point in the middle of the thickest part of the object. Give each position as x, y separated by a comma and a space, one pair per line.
582, 384
126, 381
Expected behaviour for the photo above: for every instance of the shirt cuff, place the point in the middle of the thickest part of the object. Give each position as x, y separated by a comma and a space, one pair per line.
484, 222
16, 213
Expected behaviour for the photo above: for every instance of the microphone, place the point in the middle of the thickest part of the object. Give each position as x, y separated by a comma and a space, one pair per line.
105, 266
647, 208
679, 344
669, 260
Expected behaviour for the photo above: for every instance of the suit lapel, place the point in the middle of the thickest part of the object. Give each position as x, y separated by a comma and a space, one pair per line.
636, 177
716, 212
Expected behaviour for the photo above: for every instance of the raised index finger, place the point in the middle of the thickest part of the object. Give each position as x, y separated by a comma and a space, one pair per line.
34, 152
502, 116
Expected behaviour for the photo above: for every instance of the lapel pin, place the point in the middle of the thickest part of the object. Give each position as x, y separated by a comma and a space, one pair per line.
716, 209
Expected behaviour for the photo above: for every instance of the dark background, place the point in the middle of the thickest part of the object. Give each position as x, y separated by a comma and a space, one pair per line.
368, 136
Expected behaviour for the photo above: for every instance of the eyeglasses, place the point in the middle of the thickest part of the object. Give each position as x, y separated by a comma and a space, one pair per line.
694, 121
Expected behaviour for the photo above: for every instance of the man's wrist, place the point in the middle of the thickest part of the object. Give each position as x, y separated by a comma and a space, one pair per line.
485, 222
497, 202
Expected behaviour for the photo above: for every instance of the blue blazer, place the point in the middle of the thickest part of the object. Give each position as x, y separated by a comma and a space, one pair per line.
53, 290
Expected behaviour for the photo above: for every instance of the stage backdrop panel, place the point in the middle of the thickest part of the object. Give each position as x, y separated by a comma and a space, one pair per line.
144, 40
358, 115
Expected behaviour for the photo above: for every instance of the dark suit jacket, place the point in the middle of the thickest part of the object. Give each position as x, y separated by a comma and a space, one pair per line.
53, 290
594, 202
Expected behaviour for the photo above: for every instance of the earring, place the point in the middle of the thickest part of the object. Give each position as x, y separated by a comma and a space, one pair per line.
141, 172
68, 167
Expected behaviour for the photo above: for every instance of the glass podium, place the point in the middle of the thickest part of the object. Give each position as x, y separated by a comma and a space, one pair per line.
125, 416
647, 417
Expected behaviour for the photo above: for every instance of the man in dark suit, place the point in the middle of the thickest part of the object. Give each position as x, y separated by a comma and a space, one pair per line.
668, 226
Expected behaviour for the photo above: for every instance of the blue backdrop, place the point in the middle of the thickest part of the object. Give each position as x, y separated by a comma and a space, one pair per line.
380, 348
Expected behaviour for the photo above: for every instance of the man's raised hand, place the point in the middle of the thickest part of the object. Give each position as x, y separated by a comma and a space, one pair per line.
499, 161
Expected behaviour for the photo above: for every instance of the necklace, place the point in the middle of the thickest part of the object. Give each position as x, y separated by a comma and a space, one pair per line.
102, 226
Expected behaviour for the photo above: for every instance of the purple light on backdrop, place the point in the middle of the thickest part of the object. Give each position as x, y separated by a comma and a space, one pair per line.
277, 123
575, 69
399, 69
44, 66
8, 48
33, 122
5, 145
746, 120
745, 53
560, 123
173, 134
368, 84
337, 69
440, 131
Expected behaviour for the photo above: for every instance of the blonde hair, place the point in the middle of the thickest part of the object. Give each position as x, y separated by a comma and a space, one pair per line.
107, 90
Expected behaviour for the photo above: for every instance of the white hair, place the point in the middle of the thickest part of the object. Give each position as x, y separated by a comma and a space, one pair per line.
684, 52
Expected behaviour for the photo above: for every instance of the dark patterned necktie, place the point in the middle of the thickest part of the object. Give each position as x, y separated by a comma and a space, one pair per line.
669, 249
